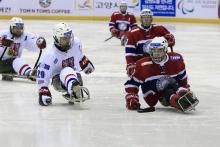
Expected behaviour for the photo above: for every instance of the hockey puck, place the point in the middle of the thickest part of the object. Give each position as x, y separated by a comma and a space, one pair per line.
144, 110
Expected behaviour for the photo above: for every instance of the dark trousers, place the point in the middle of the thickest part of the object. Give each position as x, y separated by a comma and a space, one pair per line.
6, 66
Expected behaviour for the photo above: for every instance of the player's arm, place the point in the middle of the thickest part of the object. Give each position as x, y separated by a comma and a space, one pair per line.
132, 88
130, 54
182, 77
169, 37
34, 43
133, 22
84, 63
112, 26
44, 74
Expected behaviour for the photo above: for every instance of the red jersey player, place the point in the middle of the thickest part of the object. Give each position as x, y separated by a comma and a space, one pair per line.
135, 48
121, 22
138, 40
162, 76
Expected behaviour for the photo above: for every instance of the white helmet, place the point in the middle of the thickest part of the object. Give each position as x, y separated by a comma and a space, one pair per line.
123, 7
17, 26
63, 36
146, 17
158, 49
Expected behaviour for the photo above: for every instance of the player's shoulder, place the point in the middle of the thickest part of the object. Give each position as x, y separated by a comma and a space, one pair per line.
173, 56
29, 35
5, 33
130, 13
157, 26
146, 61
135, 30
116, 13
76, 40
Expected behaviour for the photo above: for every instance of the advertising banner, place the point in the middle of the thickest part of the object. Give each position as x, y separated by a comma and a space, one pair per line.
160, 7
197, 9
202, 9
107, 7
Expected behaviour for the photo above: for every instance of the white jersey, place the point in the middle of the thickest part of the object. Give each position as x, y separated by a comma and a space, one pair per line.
53, 61
27, 41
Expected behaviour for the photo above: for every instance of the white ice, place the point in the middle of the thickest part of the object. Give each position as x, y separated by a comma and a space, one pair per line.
104, 121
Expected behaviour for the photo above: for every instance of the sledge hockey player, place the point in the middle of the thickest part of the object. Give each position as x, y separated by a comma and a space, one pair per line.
139, 38
121, 22
62, 62
12, 43
163, 77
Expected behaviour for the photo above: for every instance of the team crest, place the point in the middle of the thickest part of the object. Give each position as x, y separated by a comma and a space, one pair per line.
122, 26
45, 3
164, 82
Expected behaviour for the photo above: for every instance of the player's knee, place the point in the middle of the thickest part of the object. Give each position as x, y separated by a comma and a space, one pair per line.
151, 101
57, 84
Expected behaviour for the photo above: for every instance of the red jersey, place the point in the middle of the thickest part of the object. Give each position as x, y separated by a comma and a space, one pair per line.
152, 76
138, 37
122, 22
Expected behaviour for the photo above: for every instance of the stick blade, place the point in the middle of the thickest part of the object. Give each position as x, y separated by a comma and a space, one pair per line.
144, 110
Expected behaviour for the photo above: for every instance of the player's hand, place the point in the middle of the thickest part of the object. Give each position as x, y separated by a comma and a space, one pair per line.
115, 32
132, 101
131, 69
170, 39
6, 42
86, 65
45, 97
41, 43
11, 52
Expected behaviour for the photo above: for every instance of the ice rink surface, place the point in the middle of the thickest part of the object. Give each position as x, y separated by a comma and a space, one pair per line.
104, 121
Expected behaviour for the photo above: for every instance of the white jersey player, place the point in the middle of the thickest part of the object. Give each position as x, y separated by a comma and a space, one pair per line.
62, 62
12, 43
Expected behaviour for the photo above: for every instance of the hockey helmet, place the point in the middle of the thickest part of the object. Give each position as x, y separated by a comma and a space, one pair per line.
146, 17
16, 26
158, 49
63, 36
123, 7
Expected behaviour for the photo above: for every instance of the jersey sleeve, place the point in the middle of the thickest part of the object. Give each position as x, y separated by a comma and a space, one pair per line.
130, 49
182, 77
79, 54
112, 23
45, 70
133, 22
30, 42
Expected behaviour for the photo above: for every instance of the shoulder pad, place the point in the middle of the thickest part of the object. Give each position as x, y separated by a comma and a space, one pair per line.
116, 13
130, 13
134, 30
76, 40
146, 63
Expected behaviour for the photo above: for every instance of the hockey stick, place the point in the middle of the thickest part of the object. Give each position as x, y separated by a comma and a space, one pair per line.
171, 48
3, 53
5, 50
108, 38
35, 65
145, 110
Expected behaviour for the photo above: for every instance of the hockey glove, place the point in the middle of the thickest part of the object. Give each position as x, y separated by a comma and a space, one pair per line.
132, 101
45, 98
41, 43
130, 69
6, 42
170, 39
115, 32
86, 65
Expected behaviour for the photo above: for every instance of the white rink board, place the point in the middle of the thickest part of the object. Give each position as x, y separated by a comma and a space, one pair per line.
103, 121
